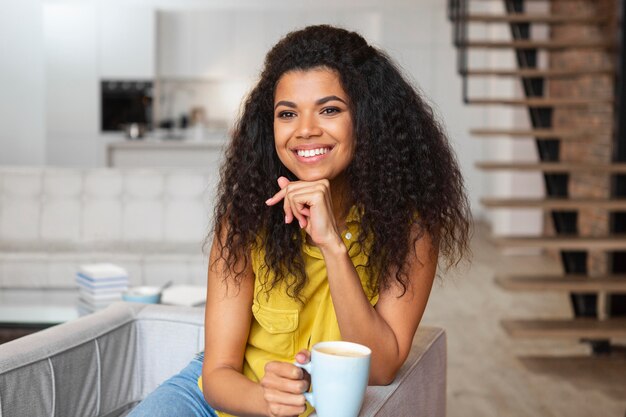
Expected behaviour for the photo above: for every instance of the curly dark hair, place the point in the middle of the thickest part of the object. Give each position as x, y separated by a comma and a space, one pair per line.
403, 172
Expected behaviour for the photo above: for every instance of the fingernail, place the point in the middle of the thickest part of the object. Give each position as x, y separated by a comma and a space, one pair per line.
268, 200
286, 219
301, 225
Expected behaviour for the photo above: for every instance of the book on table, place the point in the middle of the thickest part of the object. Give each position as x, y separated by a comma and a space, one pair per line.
100, 285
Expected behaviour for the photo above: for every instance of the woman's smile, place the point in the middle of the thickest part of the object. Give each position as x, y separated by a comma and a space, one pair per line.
312, 153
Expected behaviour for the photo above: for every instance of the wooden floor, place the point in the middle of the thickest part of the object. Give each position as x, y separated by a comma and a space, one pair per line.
490, 374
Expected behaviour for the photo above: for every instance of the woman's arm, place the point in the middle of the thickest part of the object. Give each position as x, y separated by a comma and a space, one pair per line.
226, 328
227, 325
388, 328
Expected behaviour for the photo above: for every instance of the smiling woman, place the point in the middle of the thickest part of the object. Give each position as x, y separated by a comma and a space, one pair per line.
338, 194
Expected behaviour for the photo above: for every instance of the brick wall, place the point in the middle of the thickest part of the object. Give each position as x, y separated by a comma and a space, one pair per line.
597, 118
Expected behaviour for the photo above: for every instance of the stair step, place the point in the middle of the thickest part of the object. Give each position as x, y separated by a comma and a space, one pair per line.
581, 328
540, 101
529, 1
567, 283
540, 44
603, 372
574, 134
555, 203
540, 73
574, 242
553, 167
534, 18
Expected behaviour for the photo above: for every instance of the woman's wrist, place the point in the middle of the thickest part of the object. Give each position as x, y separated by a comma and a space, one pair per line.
336, 247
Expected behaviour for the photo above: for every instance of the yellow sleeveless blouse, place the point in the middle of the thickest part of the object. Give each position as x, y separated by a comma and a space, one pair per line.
282, 326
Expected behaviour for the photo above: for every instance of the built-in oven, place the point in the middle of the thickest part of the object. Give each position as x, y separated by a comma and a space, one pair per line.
125, 103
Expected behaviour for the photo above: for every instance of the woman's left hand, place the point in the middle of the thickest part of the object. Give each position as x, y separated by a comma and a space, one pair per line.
310, 203
283, 386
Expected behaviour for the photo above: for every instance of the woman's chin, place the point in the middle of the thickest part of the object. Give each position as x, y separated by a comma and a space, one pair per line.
312, 177
316, 175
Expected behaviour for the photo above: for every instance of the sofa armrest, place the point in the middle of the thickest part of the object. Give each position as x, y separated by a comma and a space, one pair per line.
420, 386
99, 365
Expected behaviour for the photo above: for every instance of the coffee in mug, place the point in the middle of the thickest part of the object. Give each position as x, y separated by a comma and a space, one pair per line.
339, 375
341, 352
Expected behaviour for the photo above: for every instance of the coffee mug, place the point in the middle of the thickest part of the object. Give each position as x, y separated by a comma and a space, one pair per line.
339, 375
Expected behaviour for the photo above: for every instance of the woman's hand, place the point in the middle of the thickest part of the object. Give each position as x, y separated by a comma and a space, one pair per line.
310, 203
283, 387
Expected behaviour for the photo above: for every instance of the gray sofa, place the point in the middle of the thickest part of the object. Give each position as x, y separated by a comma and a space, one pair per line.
103, 364
150, 222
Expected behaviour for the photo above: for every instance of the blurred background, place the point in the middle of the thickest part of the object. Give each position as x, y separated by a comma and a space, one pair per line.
74, 71
114, 115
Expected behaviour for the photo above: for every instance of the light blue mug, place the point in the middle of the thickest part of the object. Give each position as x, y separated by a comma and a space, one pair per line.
339, 375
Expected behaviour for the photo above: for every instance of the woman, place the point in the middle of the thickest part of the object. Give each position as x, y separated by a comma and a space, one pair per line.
338, 193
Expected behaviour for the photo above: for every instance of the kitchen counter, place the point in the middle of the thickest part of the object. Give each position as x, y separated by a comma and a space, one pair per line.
167, 153
168, 144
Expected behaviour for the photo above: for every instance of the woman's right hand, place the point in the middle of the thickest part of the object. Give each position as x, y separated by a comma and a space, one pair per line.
284, 385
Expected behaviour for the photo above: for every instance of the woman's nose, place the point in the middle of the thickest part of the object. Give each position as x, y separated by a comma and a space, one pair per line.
308, 127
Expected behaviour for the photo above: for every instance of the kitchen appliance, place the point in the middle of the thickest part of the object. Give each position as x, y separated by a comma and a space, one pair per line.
124, 103
134, 130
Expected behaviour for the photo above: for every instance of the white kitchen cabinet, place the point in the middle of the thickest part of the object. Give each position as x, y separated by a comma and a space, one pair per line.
214, 46
175, 44
126, 41
278, 23
210, 44
249, 47
222, 44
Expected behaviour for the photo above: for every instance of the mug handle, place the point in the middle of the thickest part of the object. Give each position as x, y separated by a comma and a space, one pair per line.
309, 368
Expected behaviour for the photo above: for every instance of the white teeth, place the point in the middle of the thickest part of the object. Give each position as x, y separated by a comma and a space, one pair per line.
312, 152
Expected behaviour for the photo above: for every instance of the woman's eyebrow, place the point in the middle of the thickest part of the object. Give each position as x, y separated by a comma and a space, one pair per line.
329, 98
323, 100
286, 103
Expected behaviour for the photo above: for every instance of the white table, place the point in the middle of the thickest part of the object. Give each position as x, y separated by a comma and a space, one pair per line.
25, 311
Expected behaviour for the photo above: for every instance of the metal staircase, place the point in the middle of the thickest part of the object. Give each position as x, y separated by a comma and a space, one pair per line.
598, 302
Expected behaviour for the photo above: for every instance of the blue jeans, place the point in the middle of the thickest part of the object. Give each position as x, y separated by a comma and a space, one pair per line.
179, 396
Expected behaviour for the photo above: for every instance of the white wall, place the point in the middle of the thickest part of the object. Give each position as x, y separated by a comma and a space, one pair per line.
431, 59
72, 90
22, 130
506, 184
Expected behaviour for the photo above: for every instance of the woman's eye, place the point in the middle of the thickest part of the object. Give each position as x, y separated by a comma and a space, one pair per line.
330, 110
286, 114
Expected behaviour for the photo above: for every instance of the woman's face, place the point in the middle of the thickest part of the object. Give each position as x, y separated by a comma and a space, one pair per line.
313, 132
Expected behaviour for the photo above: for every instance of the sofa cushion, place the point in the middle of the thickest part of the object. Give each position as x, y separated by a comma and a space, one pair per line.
151, 222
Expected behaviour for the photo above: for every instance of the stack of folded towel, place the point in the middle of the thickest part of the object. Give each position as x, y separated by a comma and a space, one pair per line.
100, 285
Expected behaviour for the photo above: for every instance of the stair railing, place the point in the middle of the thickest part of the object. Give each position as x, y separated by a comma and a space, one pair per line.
458, 10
